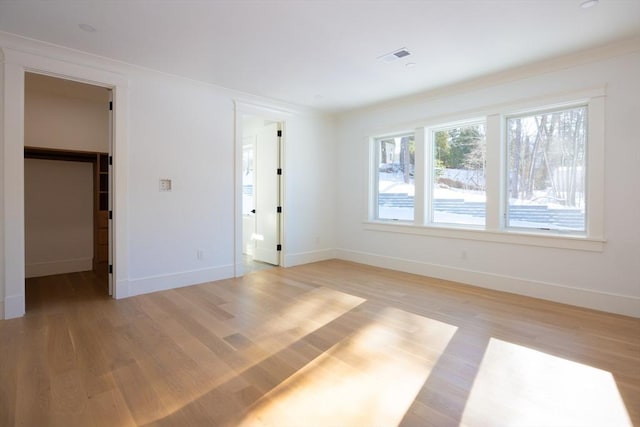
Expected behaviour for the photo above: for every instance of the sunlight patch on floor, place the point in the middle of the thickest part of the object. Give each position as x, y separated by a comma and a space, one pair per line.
522, 386
369, 378
311, 311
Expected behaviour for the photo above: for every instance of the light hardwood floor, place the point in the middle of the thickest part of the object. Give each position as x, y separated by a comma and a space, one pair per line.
325, 344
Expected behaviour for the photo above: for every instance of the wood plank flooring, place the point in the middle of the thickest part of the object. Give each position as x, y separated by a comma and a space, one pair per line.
325, 344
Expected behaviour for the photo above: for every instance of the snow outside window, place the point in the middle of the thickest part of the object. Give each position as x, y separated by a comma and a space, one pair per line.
546, 170
395, 190
459, 191
531, 173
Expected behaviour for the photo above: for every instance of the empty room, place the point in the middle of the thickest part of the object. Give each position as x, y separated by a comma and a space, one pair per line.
319, 213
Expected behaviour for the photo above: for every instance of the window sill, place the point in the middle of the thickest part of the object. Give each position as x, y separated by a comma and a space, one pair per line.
509, 237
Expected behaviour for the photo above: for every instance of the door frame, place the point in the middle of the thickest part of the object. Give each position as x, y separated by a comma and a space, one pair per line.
243, 108
16, 63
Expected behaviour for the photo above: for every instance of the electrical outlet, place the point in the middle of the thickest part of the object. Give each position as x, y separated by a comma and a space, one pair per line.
200, 254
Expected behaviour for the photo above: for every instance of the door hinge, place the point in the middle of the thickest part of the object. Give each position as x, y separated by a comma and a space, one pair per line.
110, 214
279, 209
278, 247
110, 160
279, 171
279, 134
110, 269
110, 105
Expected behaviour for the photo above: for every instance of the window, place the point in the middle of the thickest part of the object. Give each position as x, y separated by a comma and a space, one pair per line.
395, 193
535, 176
458, 175
546, 170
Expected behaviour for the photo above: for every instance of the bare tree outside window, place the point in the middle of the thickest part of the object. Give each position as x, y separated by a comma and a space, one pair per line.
546, 178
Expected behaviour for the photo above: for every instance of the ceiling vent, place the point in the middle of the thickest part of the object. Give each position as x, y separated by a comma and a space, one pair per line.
395, 55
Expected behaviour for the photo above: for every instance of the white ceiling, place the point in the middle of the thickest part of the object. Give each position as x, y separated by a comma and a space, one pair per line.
322, 53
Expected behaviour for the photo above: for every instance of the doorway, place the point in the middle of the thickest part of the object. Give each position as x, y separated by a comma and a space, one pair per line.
261, 193
16, 65
67, 139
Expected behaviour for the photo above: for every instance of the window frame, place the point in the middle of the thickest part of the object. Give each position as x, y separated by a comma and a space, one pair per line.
430, 151
374, 192
495, 229
507, 153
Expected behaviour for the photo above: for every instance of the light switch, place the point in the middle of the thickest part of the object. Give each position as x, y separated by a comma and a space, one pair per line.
165, 185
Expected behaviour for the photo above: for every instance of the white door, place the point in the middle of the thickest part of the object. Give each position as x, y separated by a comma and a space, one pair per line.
267, 195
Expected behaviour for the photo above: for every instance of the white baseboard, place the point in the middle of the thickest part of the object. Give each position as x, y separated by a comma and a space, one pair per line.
49, 268
291, 260
239, 269
147, 285
613, 303
12, 307
121, 289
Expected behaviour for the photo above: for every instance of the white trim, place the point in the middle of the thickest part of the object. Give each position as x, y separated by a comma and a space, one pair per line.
13, 306
13, 188
16, 63
510, 237
301, 258
3, 258
238, 266
614, 303
372, 180
595, 167
165, 282
421, 187
494, 174
48, 268
268, 111
558, 99
123, 289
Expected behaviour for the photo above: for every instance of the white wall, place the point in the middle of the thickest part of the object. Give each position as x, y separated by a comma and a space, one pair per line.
65, 115
310, 164
58, 217
182, 130
608, 280
185, 131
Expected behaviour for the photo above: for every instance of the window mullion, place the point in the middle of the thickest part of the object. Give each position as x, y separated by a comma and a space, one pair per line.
420, 178
595, 168
372, 200
428, 177
495, 179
